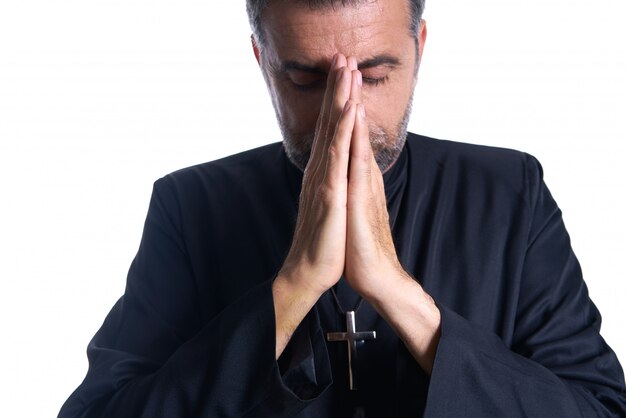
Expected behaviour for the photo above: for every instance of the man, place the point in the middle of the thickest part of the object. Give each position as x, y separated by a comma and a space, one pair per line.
351, 270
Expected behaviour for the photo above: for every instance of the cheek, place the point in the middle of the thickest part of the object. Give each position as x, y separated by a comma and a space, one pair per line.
299, 111
385, 107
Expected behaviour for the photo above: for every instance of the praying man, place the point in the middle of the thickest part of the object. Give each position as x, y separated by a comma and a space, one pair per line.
352, 269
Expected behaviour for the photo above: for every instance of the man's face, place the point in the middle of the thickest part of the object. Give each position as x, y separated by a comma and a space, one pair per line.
296, 57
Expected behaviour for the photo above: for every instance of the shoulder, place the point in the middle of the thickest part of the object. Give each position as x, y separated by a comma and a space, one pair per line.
476, 171
247, 168
474, 164
470, 156
246, 163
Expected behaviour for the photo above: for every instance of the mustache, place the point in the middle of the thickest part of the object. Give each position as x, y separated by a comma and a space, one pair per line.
386, 151
386, 146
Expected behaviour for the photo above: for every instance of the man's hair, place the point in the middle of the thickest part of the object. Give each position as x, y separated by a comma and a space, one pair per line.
255, 10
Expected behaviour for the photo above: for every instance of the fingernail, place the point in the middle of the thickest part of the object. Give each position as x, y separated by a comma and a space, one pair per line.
352, 62
347, 106
339, 74
359, 78
362, 110
334, 63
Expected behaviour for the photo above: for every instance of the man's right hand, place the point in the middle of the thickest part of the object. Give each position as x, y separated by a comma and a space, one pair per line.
316, 258
317, 255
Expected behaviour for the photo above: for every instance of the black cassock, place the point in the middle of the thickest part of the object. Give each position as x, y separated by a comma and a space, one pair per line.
194, 333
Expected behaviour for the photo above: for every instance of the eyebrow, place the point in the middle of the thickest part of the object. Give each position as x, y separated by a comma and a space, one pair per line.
384, 59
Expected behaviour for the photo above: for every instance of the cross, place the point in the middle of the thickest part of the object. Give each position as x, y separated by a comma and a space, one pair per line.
351, 337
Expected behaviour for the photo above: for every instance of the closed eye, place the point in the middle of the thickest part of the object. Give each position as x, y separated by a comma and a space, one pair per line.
375, 81
322, 83
309, 86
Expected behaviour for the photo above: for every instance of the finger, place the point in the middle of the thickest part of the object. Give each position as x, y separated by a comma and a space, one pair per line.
352, 64
360, 171
341, 96
377, 176
339, 61
339, 149
356, 87
343, 86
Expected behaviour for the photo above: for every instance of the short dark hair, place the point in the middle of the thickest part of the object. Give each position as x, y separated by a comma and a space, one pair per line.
255, 10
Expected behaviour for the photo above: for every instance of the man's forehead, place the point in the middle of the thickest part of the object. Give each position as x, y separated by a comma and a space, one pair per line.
302, 23
326, 8
311, 37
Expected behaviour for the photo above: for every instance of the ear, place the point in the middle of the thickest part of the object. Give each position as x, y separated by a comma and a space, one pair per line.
255, 48
421, 36
421, 40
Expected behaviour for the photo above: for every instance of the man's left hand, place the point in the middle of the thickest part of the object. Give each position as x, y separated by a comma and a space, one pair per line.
372, 267
371, 261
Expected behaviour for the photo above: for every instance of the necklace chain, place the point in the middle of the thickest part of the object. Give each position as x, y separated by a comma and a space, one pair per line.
343, 312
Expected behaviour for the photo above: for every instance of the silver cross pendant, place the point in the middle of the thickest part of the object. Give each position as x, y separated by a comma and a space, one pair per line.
352, 338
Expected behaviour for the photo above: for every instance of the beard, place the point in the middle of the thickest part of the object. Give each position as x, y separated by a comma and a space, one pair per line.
386, 146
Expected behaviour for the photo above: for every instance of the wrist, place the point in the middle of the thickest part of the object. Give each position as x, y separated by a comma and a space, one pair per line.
297, 286
291, 304
305, 280
413, 315
390, 284
404, 293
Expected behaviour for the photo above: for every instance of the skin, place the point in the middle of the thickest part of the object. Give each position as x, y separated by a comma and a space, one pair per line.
297, 53
343, 224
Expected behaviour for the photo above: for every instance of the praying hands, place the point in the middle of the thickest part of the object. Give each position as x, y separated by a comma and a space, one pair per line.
233, 309
343, 228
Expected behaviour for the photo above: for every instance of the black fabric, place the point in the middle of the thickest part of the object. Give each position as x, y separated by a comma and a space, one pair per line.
194, 333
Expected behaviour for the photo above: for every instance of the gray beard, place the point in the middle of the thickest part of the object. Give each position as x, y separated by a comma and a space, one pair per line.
386, 147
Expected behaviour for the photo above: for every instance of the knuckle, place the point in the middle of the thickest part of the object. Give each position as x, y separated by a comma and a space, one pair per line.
335, 152
365, 157
325, 195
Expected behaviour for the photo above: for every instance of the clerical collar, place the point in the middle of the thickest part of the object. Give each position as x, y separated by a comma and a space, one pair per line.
395, 177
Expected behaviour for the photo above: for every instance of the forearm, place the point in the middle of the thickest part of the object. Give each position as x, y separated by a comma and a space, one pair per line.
225, 368
291, 304
414, 317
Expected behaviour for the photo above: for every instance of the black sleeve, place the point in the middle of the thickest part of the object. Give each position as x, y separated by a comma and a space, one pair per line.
558, 365
153, 358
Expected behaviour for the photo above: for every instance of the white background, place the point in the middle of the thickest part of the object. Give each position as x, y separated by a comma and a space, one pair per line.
100, 98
